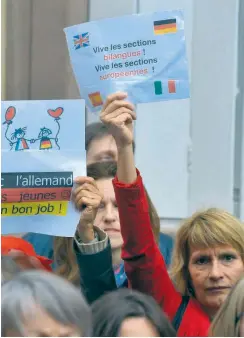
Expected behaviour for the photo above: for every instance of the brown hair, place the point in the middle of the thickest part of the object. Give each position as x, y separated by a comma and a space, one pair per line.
203, 229
97, 130
228, 319
64, 255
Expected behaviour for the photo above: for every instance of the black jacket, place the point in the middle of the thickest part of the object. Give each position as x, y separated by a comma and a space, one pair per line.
96, 270
96, 273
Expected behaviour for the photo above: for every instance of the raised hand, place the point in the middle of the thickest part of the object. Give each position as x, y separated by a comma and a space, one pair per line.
118, 115
87, 199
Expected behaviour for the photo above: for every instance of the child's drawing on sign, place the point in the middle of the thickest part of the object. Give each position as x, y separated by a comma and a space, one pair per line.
45, 139
44, 135
56, 113
18, 136
18, 139
37, 183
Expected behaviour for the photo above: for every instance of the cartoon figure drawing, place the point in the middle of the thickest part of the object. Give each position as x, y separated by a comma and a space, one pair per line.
45, 139
44, 134
56, 113
20, 141
18, 136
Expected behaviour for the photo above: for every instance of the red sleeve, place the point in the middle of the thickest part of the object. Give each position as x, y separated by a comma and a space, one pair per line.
144, 263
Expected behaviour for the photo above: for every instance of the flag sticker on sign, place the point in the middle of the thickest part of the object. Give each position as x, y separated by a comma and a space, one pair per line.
165, 26
158, 87
172, 86
96, 99
81, 40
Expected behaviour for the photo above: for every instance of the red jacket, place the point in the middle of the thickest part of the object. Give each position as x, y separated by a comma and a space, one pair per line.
144, 264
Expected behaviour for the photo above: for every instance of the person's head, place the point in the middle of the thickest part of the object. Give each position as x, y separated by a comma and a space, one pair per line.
208, 257
41, 304
99, 143
23, 254
107, 218
127, 313
18, 133
229, 321
9, 268
44, 132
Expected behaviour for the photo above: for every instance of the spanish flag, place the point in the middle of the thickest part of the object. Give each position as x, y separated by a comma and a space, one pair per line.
165, 26
96, 99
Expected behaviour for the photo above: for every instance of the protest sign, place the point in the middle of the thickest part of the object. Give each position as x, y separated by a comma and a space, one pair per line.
141, 54
43, 149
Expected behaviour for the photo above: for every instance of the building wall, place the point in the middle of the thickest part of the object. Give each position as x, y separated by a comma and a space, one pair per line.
37, 60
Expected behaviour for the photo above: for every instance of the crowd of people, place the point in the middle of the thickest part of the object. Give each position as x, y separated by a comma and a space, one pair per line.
119, 276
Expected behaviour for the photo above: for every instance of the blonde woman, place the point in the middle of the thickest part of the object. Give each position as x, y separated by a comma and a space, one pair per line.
229, 321
208, 258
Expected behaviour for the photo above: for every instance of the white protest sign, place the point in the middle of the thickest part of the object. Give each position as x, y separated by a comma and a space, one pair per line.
141, 54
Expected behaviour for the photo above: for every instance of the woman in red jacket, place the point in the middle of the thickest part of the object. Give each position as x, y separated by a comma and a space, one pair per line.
209, 248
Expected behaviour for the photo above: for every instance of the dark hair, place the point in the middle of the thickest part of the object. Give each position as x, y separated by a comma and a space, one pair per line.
63, 246
96, 130
18, 131
110, 310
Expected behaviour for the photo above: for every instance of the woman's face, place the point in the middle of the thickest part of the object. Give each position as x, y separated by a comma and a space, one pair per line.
20, 135
108, 216
137, 327
213, 272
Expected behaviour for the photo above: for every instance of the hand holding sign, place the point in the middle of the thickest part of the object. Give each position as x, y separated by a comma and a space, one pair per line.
118, 116
86, 194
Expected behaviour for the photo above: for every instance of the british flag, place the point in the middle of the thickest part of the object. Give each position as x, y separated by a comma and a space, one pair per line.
81, 40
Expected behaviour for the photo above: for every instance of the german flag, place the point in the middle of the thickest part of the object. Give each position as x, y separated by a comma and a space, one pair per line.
165, 26
45, 144
96, 99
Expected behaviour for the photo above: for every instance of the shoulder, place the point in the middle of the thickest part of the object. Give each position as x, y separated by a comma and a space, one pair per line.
195, 321
43, 244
